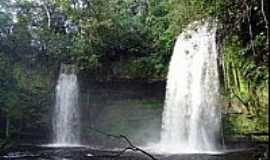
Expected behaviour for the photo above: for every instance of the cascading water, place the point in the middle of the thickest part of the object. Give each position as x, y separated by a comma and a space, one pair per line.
66, 125
191, 116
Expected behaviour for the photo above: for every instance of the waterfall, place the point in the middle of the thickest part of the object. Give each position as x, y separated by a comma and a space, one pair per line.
191, 116
66, 124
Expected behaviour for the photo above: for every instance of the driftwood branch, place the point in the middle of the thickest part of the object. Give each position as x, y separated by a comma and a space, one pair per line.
130, 146
134, 148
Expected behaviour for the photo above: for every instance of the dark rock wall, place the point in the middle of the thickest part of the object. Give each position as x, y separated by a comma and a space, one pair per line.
129, 107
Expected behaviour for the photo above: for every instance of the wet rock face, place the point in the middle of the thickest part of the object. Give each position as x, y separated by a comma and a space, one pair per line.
131, 108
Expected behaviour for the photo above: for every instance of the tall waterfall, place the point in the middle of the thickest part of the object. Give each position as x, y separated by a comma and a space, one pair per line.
191, 116
66, 124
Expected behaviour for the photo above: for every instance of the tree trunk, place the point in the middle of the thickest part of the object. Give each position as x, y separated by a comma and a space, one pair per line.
7, 126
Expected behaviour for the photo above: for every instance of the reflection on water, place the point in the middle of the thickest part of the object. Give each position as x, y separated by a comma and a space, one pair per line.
85, 153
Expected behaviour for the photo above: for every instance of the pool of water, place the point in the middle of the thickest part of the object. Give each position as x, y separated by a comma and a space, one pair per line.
49, 152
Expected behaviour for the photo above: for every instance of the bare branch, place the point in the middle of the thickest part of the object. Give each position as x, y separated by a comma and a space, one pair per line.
48, 13
131, 146
265, 20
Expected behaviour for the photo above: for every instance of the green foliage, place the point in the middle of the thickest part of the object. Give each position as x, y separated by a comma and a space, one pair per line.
102, 33
245, 62
246, 82
241, 73
239, 124
183, 12
23, 96
7, 91
35, 81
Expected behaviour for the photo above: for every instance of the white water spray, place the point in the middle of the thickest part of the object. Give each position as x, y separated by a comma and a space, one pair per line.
191, 116
66, 125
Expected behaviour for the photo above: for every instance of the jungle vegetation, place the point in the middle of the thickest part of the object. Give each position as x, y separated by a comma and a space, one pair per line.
126, 39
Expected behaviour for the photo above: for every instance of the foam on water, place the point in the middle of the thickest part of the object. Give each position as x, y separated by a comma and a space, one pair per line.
63, 145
